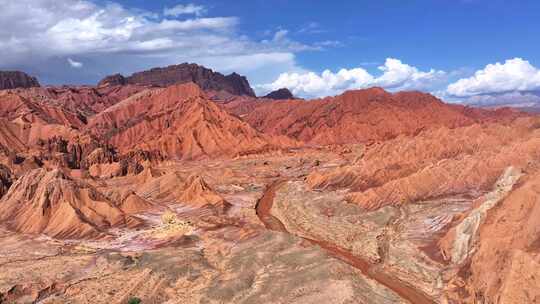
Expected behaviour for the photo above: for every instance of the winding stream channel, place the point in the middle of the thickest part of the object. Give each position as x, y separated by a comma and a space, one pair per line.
264, 208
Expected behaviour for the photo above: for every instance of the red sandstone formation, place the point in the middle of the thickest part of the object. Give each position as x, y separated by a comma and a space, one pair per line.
15, 106
188, 123
83, 100
508, 245
198, 193
170, 188
54, 144
434, 163
356, 116
52, 204
129, 202
46, 124
10, 140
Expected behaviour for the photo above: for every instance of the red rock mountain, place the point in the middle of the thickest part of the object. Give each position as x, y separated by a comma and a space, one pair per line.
357, 116
16, 79
206, 79
83, 100
188, 123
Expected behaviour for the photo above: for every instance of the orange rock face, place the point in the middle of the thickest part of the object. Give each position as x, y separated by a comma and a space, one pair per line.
52, 204
509, 242
434, 163
17, 107
198, 193
189, 125
84, 100
356, 116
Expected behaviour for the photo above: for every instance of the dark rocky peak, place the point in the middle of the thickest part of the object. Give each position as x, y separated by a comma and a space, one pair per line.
113, 80
282, 93
16, 79
205, 78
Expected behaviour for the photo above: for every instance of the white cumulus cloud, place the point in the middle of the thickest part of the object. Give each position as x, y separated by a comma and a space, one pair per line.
188, 9
281, 40
514, 75
400, 76
512, 99
395, 76
37, 36
75, 64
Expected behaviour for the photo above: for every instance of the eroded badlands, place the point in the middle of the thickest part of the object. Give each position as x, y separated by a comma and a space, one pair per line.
177, 194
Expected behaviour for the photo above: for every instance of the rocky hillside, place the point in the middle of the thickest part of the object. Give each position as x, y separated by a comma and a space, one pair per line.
283, 93
84, 100
358, 116
51, 203
181, 122
16, 79
206, 79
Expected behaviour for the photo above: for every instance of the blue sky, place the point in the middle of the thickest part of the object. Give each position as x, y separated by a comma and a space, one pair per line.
442, 34
448, 47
